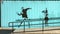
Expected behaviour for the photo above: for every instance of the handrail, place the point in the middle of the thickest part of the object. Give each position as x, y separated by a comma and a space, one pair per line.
38, 19
31, 20
38, 24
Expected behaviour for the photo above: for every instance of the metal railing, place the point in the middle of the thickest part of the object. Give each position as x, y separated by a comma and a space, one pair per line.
32, 20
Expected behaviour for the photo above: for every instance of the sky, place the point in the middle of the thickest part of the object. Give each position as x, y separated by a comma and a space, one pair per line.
10, 9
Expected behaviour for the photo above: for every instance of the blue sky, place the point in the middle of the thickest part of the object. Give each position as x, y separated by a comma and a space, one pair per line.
9, 9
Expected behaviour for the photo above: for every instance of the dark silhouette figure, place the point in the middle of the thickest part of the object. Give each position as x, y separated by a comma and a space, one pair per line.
46, 17
24, 14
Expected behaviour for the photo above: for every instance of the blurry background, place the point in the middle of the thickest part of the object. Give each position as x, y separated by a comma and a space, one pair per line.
9, 9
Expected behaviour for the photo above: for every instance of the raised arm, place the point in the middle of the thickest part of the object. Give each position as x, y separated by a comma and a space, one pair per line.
28, 8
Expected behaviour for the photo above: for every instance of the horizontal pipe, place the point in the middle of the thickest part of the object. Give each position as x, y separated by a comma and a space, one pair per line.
31, 20
38, 24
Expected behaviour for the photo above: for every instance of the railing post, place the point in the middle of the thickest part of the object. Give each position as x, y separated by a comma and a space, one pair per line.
24, 26
43, 26
0, 13
28, 24
12, 27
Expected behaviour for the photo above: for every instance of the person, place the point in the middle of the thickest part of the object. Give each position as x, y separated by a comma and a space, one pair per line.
46, 21
46, 17
24, 14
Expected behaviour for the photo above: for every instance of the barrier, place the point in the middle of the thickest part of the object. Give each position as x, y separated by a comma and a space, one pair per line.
32, 20
6, 30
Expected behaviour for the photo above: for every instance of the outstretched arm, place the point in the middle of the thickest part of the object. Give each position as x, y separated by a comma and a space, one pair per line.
19, 14
43, 11
28, 8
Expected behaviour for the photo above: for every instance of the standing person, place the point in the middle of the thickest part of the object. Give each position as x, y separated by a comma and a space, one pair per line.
24, 14
46, 17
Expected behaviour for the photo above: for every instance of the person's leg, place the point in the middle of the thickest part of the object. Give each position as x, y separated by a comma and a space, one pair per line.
28, 22
21, 22
46, 22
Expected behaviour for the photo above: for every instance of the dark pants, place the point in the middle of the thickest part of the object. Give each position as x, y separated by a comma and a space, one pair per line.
46, 21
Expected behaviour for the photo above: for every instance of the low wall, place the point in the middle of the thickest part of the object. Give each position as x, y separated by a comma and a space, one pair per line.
6, 31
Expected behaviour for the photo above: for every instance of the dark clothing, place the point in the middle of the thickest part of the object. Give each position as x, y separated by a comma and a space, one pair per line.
46, 11
46, 21
46, 18
24, 13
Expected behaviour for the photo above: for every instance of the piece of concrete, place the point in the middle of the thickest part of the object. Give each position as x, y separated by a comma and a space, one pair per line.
6, 30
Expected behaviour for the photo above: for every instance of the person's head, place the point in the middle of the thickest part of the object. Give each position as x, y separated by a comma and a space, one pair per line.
22, 7
46, 8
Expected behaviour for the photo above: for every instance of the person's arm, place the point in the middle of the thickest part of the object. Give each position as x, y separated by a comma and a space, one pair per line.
43, 11
19, 14
28, 8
